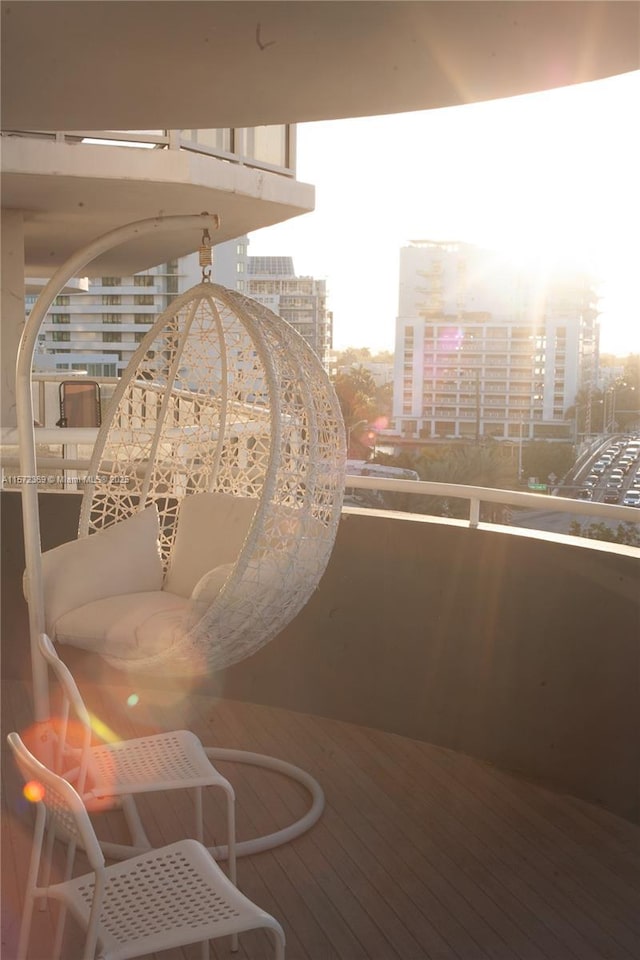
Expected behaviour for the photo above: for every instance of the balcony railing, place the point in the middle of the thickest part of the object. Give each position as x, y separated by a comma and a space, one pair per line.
63, 457
266, 148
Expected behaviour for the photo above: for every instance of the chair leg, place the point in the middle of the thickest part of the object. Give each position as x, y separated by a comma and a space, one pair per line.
199, 818
62, 912
231, 848
25, 926
48, 858
32, 881
134, 823
279, 943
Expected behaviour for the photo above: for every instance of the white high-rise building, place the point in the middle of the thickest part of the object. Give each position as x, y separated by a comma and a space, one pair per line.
302, 301
484, 349
99, 330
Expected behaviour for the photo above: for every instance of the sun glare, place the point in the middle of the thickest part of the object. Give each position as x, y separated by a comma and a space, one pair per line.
545, 179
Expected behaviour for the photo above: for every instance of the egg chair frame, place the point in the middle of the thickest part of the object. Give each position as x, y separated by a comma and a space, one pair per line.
280, 494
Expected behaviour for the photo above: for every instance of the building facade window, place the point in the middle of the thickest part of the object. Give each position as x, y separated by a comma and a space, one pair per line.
144, 299
112, 281
60, 335
111, 336
60, 318
143, 280
111, 299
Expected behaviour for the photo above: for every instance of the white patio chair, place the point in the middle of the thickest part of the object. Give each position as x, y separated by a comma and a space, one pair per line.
111, 773
169, 897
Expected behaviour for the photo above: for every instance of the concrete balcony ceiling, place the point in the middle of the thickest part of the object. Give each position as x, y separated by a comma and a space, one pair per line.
71, 193
116, 66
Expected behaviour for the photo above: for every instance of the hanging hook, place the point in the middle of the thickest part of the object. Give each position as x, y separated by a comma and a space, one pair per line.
206, 256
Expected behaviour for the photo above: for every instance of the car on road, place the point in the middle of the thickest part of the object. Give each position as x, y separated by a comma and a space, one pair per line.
611, 496
584, 494
632, 498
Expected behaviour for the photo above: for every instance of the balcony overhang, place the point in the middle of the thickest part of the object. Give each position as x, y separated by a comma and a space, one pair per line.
109, 66
70, 194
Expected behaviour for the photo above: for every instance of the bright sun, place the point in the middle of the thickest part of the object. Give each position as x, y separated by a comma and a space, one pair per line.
546, 178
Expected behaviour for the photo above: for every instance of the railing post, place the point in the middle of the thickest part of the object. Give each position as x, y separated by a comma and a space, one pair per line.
474, 512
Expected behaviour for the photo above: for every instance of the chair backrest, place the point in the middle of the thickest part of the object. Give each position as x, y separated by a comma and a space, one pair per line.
73, 698
80, 404
60, 799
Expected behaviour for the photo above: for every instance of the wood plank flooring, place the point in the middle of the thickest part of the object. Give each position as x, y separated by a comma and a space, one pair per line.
420, 854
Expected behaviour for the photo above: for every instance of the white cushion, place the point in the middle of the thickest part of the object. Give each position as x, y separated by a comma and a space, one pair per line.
129, 626
209, 586
211, 530
124, 558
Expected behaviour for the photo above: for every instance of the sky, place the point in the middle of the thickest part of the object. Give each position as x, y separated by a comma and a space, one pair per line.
538, 177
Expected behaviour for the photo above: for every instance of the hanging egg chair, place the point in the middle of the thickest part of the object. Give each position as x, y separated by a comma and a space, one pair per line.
215, 492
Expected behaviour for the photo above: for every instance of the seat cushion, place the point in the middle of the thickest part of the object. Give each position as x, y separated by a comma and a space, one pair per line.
211, 530
128, 626
123, 558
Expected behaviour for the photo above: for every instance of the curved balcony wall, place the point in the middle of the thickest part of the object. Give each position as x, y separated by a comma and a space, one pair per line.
516, 647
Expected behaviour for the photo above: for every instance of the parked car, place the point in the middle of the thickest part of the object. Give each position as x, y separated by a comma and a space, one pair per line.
584, 494
599, 467
591, 480
611, 496
632, 498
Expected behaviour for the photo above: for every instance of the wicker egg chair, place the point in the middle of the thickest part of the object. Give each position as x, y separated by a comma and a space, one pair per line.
224, 443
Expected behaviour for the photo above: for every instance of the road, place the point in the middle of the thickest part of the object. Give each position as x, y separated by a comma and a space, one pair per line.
561, 522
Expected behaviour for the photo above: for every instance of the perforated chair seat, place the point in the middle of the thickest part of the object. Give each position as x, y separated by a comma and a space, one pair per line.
162, 899
163, 761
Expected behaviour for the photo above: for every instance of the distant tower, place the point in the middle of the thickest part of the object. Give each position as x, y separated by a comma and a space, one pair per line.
302, 301
483, 347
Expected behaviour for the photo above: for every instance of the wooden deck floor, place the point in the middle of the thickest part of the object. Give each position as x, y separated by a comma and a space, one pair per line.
421, 853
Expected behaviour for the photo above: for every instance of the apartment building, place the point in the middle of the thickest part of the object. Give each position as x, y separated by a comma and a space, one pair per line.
271, 280
98, 331
486, 349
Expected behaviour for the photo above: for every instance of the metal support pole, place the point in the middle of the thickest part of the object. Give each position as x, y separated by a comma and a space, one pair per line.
24, 411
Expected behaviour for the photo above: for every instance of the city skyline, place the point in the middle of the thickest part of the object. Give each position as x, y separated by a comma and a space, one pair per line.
543, 178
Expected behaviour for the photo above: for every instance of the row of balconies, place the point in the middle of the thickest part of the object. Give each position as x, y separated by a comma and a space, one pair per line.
267, 147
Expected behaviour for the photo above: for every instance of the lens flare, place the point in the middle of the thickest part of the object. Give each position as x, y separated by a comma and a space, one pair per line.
101, 730
33, 791
132, 699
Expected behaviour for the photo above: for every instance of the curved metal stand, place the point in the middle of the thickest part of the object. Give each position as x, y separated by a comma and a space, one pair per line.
24, 412
119, 851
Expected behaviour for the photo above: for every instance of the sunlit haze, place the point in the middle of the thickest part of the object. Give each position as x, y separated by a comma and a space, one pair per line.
547, 177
